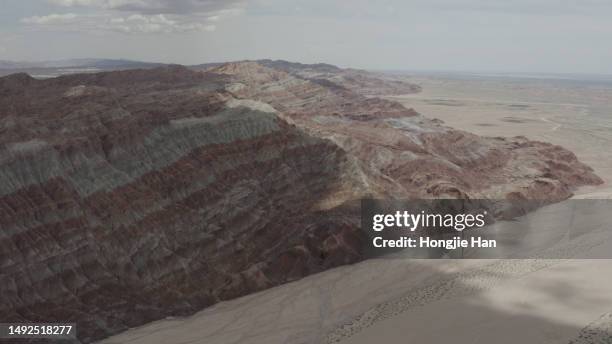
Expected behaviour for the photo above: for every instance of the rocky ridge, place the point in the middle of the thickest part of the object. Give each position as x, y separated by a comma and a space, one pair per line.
419, 156
129, 196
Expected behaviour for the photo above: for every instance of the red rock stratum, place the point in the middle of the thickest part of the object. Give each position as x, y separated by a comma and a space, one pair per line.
129, 196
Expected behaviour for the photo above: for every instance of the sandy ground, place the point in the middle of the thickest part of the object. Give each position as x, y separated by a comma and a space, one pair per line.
550, 305
536, 300
299, 312
432, 301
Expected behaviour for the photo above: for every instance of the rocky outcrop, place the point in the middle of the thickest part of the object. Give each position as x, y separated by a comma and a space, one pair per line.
359, 81
127, 197
130, 196
418, 156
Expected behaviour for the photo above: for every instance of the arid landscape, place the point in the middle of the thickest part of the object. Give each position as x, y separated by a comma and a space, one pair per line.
170, 189
473, 301
305, 171
571, 111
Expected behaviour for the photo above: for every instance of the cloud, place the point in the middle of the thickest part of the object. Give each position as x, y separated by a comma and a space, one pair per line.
184, 7
51, 19
94, 3
134, 23
139, 16
159, 23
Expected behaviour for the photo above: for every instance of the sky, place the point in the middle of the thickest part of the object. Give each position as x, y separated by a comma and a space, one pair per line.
537, 36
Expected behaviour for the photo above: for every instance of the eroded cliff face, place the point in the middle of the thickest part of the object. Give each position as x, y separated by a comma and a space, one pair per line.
420, 157
130, 196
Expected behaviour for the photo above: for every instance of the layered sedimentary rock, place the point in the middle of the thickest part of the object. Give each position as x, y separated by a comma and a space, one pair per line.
418, 156
130, 196
358, 81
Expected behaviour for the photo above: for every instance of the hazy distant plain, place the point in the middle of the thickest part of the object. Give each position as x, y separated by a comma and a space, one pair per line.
573, 113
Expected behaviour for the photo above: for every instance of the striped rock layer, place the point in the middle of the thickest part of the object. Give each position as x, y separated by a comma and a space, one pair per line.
129, 196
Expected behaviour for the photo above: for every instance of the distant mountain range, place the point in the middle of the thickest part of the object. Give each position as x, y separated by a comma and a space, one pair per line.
53, 68
97, 63
46, 69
